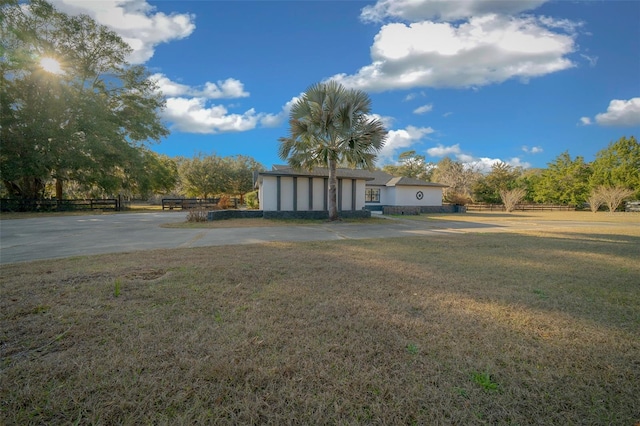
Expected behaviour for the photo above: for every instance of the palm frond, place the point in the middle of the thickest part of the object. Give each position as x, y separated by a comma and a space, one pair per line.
331, 123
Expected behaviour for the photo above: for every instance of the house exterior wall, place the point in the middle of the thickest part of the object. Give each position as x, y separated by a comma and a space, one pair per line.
286, 193
318, 194
361, 185
347, 191
386, 195
302, 194
406, 196
268, 193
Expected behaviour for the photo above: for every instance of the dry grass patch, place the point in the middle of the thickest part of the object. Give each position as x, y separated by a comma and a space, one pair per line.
539, 216
457, 329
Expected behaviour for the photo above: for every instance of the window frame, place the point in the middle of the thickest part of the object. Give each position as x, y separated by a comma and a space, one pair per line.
372, 195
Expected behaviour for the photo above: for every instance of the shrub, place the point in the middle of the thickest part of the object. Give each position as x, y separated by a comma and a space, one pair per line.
611, 196
457, 199
224, 202
595, 201
251, 198
511, 197
198, 215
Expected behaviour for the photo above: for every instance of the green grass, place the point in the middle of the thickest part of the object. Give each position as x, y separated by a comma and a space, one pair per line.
117, 287
526, 327
485, 381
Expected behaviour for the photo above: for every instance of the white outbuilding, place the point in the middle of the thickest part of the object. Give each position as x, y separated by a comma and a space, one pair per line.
294, 192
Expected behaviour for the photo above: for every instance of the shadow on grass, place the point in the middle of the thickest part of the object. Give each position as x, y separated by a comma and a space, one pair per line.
388, 331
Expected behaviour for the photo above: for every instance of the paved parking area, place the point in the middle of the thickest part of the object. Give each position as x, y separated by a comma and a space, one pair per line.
64, 236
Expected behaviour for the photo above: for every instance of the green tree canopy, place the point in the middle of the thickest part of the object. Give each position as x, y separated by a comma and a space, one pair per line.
203, 176
84, 122
618, 165
411, 165
528, 180
564, 181
502, 177
240, 170
331, 125
206, 176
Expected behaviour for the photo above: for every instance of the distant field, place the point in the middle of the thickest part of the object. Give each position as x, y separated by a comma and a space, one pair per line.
537, 325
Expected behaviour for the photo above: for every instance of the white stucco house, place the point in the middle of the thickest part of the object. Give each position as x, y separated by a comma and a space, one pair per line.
284, 189
393, 194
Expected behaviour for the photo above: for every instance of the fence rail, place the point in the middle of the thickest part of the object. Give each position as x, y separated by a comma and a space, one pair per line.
24, 205
192, 203
519, 207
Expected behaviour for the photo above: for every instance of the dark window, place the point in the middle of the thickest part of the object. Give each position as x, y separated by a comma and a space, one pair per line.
372, 195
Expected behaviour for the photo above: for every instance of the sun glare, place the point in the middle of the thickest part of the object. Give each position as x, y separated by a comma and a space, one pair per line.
51, 65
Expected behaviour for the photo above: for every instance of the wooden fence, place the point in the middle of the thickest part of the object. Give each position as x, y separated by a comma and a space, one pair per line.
24, 205
519, 207
192, 203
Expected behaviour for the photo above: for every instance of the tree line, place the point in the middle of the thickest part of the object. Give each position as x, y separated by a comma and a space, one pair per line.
565, 180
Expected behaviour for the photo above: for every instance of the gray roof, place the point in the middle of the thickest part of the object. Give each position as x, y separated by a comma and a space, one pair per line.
375, 178
385, 179
282, 170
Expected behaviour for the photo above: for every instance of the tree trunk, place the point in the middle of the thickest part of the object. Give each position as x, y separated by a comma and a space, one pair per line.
58, 188
333, 199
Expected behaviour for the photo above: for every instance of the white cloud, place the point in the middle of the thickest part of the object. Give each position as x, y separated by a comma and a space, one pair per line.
481, 164
592, 60
187, 107
517, 162
413, 95
423, 109
484, 164
400, 140
621, 113
229, 88
484, 50
274, 120
443, 151
585, 121
226, 89
445, 10
194, 116
136, 21
532, 150
386, 120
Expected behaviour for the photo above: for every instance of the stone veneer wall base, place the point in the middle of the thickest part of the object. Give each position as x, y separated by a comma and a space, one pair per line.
240, 214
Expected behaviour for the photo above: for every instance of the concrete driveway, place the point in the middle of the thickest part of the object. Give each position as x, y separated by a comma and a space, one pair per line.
64, 236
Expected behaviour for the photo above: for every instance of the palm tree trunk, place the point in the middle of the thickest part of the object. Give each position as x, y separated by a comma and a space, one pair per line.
333, 183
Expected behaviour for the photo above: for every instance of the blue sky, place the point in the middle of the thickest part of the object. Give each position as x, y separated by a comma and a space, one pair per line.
479, 81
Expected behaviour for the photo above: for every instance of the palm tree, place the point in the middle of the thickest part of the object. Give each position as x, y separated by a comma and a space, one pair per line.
330, 125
